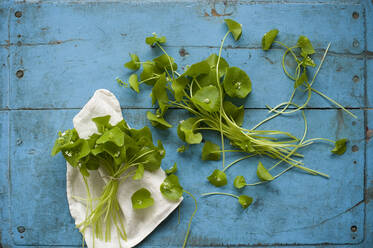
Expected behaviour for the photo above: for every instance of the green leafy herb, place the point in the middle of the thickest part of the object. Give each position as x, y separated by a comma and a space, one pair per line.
142, 199
134, 63
263, 173
115, 149
239, 182
234, 27
134, 83
305, 44
121, 83
151, 40
181, 149
171, 188
186, 131
212, 60
207, 98
245, 201
157, 120
340, 147
172, 170
268, 39
210, 151
217, 178
139, 172
236, 83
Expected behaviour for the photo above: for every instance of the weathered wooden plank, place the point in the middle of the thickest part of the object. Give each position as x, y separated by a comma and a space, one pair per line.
4, 173
49, 73
276, 217
108, 23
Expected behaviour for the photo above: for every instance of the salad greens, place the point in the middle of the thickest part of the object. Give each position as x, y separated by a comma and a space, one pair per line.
202, 89
121, 152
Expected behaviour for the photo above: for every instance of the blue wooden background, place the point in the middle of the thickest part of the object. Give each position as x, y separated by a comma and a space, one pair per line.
68, 49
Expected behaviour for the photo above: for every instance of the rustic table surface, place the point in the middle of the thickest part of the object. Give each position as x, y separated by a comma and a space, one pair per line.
54, 54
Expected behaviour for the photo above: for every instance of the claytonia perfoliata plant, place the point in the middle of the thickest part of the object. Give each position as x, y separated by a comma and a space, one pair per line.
203, 90
123, 153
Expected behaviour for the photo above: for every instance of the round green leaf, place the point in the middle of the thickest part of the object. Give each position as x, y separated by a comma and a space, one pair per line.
157, 120
207, 98
245, 201
171, 188
217, 178
268, 39
134, 64
234, 27
236, 83
142, 199
153, 39
212, 60
147, 74
134, 83
185, 131
263, 173
340, 147
210, 151
197, 69
306, 46
178, 86
239, 182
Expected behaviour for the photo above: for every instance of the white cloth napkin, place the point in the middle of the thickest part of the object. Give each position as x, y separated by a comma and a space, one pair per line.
138, 223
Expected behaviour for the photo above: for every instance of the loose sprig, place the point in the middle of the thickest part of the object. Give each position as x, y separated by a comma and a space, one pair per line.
121, 152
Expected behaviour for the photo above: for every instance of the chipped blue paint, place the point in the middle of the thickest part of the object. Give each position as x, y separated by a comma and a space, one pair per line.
69, 49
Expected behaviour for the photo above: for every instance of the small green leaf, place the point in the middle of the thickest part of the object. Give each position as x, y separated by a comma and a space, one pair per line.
159, 93
163, 62
306, 47
185, 131
114, 135
268, 39
139, 172
172, 170
217, 178
236, 83
302, 79
197, 69
161, 149
151, 40
340, 147
263, 173
245, 201
236, 113
134, 64
142, 199
235, 28
239, 182
181, 149
64, 141
210, 151
178, 86
207, 98
171, 188
307, 61
102, 123
212, 60
150, 73
134, 83
157, 120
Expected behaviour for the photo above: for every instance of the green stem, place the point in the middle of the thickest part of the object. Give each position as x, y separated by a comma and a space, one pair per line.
220, 193
221, 96
237, 160
191, 217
